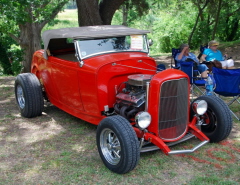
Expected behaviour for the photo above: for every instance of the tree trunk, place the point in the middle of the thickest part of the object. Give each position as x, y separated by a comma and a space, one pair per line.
217, 19
91, 13
232, 32
107, 8
88, 13
200, 13
125, 15
30, 39
194, 28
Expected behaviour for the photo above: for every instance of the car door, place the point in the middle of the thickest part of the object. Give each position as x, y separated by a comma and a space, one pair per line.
64, 73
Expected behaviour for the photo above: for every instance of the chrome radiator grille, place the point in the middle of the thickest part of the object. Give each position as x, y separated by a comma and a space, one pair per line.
173, 109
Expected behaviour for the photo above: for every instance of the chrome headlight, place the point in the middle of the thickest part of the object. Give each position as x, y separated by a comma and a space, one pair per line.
199, 107
143, 119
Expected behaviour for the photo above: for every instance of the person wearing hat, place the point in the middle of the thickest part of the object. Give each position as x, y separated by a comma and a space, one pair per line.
212, 53
184, 55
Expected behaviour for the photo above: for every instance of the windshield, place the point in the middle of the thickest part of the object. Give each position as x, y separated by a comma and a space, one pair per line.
114, 44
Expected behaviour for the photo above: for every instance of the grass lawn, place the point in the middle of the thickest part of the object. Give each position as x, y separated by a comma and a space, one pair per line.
57, 148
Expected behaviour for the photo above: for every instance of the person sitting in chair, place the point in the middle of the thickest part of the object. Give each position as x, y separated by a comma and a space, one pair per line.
184, 55
212, 53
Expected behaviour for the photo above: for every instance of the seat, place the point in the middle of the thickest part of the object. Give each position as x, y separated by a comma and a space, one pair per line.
228, 86
161, 67
174, 53
195, 80
188, 67
201, 49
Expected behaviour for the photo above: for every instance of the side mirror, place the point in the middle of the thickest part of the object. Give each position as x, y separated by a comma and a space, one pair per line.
150, 42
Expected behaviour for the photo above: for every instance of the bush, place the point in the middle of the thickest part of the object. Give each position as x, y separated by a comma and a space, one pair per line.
15, 53
4, 61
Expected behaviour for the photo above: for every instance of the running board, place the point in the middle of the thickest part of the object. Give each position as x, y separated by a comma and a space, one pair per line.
154, 147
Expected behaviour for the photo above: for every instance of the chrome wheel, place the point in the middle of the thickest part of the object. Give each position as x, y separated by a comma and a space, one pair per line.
117, 144
110, 146
20, 97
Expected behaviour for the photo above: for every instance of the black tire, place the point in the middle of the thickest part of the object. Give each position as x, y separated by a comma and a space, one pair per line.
28, 94
217, 121
117, 144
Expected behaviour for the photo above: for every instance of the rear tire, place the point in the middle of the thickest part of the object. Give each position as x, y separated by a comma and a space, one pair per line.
217, 120
117, 144
28, 93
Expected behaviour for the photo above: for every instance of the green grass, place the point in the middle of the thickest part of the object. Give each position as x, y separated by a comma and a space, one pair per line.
57, 148
213, 180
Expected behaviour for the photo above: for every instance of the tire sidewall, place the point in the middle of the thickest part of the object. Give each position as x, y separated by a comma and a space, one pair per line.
125, 154
19, 82
218, 110
32, 93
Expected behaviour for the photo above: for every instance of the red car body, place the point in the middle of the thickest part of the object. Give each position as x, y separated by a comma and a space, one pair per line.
83, 92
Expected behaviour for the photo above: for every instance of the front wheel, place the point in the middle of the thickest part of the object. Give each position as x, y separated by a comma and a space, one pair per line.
117, 144
217, 121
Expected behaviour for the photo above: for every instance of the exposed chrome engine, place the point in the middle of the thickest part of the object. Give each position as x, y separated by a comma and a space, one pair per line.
132, 98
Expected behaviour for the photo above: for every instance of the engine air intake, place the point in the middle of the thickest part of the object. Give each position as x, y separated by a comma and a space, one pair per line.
173, 109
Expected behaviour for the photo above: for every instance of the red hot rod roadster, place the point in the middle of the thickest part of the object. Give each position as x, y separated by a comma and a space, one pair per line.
104, 75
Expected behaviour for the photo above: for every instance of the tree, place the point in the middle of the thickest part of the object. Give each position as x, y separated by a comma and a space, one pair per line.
198, 3
221, 20
134, 9
219, 7
97, 12
23, 21
4, 60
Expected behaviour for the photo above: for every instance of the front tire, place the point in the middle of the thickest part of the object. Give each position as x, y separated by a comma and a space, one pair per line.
217, 121
28, 94
117, 144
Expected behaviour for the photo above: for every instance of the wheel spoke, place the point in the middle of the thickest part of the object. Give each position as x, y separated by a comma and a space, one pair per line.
109, 137
20, 97
111, 146
117, 147
115, 140
116, 154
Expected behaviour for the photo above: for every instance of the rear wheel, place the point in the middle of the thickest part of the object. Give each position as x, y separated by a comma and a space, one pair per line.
217, 121
117, 144
28, 93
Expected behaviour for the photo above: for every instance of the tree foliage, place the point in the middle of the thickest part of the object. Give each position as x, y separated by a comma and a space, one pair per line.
4, 60
171, 22
133, 9
23, 21
190, 21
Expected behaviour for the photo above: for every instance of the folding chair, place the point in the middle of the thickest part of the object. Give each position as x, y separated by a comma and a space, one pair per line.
195, 81
202, 48
228, 85
161, 67
174, 54
188, 68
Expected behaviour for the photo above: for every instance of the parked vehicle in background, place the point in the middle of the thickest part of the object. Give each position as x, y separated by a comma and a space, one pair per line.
104, 75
